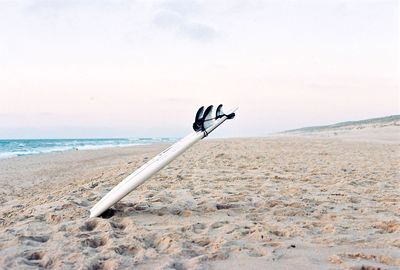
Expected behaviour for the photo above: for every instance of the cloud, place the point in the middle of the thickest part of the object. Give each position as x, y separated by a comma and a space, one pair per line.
197, 31
178, 17
168, 18
184, 7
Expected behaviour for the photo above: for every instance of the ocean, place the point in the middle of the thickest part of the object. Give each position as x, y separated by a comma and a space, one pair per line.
14, 148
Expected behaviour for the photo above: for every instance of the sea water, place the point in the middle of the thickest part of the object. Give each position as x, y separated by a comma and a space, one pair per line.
13, 148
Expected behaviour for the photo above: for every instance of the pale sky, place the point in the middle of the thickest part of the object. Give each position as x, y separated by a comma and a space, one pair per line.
126, 68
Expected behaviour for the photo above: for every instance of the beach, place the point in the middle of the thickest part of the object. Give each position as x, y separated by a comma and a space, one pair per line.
278, 123
284, 202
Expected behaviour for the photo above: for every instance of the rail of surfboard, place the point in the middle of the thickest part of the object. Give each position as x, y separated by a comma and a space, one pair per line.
144, 166
135, 180
158, 157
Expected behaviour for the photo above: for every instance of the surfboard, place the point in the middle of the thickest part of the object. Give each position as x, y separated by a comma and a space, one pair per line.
203, 125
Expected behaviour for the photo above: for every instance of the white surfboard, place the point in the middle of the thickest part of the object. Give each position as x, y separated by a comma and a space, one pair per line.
204, 124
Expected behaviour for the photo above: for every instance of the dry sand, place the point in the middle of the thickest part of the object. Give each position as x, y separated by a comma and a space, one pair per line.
267, 203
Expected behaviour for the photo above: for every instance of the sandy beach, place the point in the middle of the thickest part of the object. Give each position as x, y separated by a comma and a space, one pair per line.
258, 203
272, 129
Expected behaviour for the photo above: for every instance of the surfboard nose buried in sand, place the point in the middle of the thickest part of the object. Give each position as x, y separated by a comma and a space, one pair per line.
205, 122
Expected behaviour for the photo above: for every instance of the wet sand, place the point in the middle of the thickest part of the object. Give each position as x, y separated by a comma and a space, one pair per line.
256, 203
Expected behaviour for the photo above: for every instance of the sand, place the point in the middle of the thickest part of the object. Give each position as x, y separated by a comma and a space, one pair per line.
257, 203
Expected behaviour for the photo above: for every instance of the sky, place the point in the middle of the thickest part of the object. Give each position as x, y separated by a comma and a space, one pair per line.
127, 68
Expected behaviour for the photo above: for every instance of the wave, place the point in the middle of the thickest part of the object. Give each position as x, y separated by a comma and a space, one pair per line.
15, 148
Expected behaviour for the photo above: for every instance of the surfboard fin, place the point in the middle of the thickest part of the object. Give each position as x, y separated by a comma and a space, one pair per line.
208, 119
220, 113
204, 119
198, 120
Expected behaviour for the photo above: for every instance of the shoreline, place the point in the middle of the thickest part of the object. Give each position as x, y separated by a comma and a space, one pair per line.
87, 149
368, 134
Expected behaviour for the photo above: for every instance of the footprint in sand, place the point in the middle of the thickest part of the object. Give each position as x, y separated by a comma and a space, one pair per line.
218, 224
94, 242
118, 229
117, 226
222, 206
102, 264
198, 227
34, 240
88, 226
126, 250
202, 242
37, 258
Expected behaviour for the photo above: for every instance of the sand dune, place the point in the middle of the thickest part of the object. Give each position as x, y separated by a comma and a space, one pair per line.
267, 203
383, 129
